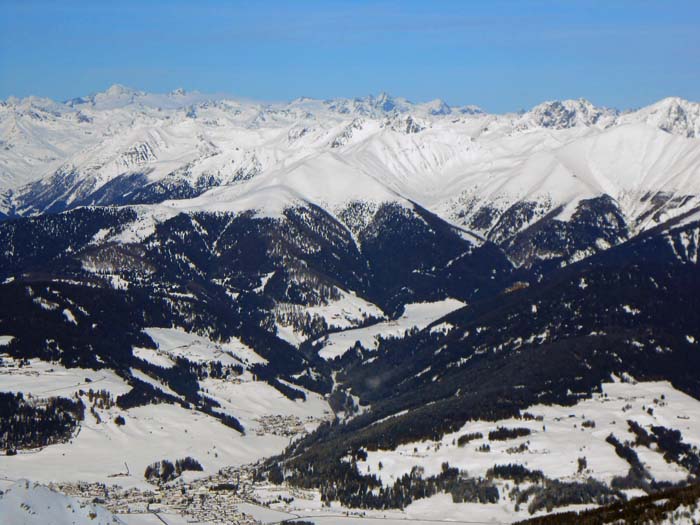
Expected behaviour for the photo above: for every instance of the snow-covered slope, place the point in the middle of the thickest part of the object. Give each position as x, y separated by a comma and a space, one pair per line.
27, 503
102, 450
673, 115
558, 436
416, 316
471, 168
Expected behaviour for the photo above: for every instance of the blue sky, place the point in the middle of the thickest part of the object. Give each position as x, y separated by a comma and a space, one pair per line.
501, 55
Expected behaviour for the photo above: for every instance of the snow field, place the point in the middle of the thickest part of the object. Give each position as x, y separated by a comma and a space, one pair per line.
345, 313
101, 451
557, 441
417, 315
177, 342
26, 503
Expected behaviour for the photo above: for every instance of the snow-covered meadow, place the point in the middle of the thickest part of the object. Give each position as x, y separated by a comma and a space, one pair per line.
104, 451
416, 315
559, 436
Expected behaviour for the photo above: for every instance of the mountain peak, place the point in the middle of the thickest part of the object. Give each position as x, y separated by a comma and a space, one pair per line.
672, 114
118, 90
438, 107
471, 109
302, 100
384, 102
673, 101
116, 95
568, 113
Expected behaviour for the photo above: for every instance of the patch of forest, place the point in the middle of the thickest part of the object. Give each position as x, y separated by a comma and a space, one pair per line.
29, 422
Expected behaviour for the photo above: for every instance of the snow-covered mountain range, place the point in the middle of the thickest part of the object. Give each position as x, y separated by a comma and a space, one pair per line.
423, 303
493, 175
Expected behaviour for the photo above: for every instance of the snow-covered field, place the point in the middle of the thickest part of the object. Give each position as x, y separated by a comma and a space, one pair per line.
249, 400
176, 342
43, 379
559, 438
418, 315
556, 443
307, 505
106, 452
114, 454
344, 313
152, 519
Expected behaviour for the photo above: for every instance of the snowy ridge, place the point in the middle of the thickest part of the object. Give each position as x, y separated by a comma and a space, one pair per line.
102, 450
129, 147
673, 115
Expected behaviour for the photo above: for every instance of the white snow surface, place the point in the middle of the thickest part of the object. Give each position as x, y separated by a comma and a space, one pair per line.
103, 451
418, 315
154, 357
177, 342
559, 439
27, 503
554, 450
44, 379
344, 313
307, 504
268, 157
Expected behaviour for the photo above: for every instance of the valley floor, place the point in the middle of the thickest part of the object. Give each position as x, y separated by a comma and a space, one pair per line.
92, 466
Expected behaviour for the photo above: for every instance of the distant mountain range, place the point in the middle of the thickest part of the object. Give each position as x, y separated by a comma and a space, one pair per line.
493, 175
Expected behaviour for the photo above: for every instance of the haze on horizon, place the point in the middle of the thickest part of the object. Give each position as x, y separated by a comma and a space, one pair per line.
501, 55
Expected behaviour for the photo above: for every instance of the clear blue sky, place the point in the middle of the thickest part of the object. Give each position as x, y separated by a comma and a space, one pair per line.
501, 55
